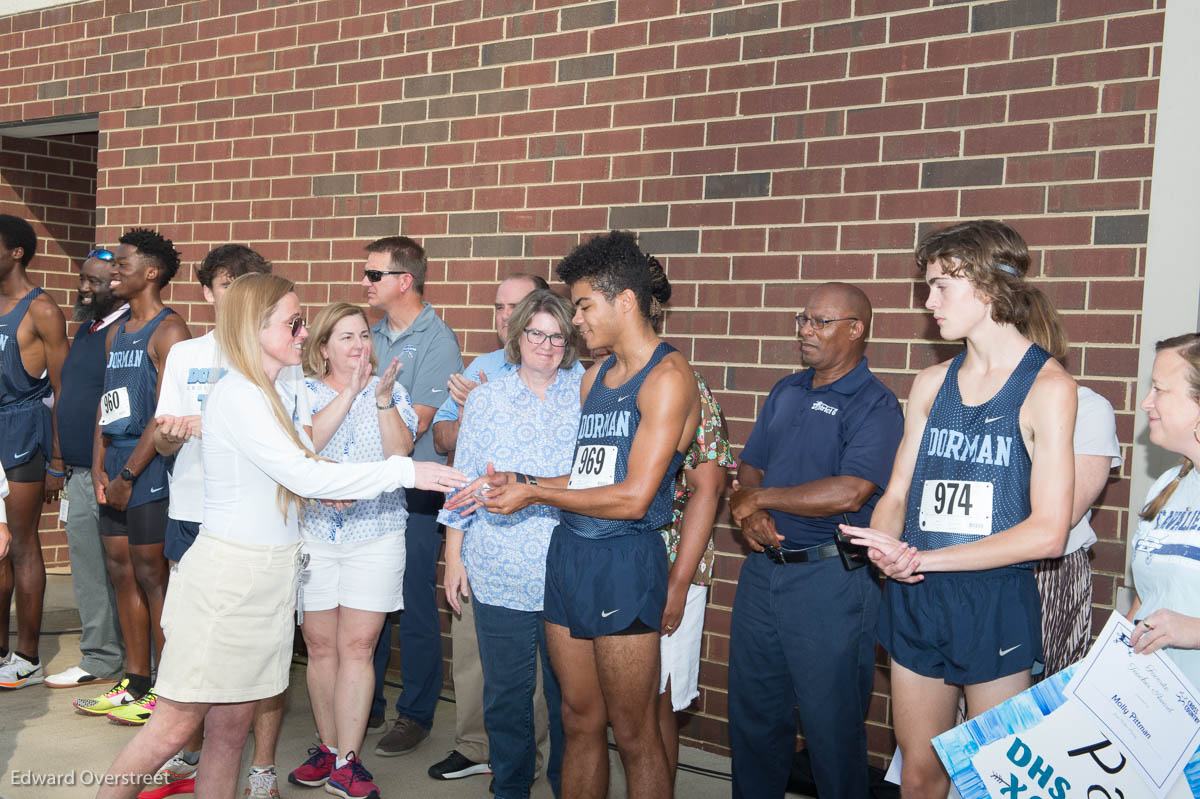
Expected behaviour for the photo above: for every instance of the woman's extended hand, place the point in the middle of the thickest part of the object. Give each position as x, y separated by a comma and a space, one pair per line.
896, 559
1165, 628
178, 429
432, 476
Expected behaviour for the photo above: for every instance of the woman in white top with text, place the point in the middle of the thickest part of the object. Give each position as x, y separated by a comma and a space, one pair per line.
228, 613
1166, 545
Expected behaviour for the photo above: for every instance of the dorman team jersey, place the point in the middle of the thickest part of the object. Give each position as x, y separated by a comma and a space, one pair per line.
607, 426
972, 473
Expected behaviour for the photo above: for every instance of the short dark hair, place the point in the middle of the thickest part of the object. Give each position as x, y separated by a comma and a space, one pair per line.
153, 244
234, 259
612, 263
407, 256
16, 232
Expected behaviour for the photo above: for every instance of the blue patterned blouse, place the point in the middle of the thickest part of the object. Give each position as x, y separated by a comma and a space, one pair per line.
505, 423
357, 440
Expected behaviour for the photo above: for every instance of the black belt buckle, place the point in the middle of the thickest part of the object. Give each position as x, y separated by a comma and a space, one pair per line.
775, 554
853, 556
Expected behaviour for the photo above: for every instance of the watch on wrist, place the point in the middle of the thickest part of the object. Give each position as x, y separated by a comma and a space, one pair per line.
127, 475
389, 406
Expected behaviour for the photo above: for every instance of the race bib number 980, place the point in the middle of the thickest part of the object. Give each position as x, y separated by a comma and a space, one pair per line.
114, 405
595, 465
963, 507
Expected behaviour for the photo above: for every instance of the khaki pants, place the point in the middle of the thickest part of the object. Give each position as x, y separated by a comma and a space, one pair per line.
470, 736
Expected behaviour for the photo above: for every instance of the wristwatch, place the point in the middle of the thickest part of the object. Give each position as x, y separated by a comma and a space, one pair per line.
127, 475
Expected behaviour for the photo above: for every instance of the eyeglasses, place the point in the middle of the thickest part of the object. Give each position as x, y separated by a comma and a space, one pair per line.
818, 323
376, 275
296, 325
102, 254
536, 337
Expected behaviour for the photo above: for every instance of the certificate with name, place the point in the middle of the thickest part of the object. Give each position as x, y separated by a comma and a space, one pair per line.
1116, 724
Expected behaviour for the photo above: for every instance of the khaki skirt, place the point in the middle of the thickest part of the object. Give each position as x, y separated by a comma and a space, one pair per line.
229, 621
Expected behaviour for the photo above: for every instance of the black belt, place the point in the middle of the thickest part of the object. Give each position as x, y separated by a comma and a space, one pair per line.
809, 555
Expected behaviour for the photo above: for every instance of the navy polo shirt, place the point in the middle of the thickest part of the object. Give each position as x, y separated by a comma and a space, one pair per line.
851, 426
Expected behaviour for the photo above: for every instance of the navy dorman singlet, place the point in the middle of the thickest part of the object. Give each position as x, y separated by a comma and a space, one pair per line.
972, 473
24, 419
607, 426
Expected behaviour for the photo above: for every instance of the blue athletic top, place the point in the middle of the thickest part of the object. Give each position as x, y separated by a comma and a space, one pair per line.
968, 452
128, 401
24, 418
607, 426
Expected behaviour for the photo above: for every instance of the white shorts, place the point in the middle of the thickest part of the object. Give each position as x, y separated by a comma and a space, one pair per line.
366, 575
229, 619
680, 652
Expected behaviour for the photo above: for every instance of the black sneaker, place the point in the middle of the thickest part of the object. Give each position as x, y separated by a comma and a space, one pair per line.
456, 766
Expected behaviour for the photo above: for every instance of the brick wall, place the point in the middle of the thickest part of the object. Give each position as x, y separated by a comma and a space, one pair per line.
759, 148
52, 183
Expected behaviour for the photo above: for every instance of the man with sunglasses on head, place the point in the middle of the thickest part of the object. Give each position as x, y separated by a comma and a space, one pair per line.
130, 478
96, 309
33, 344
802, 635
394, 279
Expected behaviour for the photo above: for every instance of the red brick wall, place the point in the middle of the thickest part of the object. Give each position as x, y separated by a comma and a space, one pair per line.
758, 148
52, 183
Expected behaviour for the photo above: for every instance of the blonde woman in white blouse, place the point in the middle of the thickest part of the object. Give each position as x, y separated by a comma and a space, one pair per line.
229, 608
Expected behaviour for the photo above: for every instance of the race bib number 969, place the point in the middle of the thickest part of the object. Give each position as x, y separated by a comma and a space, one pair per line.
595, 465
963, 507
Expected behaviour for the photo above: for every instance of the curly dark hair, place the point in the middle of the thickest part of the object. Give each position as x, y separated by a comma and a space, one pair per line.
16, 232
612, 263
153, 244
234, 259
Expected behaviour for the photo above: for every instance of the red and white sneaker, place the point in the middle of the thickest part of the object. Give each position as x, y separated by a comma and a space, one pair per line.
313, 772
352, 781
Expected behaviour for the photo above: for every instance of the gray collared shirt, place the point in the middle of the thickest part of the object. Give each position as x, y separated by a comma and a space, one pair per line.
429, 354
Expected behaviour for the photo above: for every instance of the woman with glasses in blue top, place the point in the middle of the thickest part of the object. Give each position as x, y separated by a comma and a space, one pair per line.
524, 422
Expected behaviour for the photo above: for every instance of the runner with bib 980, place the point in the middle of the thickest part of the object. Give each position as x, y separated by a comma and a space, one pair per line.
606, 569
980, 489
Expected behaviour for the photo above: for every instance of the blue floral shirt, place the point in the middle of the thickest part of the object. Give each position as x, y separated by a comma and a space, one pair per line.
505, 423
357, 440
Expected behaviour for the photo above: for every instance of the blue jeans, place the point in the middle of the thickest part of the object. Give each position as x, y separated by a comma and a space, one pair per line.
510, 642
802, 638
419, 630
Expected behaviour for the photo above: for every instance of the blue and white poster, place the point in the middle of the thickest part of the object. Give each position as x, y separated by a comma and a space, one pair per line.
1116, 724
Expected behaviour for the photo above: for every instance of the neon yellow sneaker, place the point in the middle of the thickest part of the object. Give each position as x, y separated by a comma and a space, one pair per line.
116, 697
136, 713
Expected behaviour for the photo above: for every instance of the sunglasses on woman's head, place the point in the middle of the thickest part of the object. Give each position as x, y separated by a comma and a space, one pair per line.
102, 254
376, 275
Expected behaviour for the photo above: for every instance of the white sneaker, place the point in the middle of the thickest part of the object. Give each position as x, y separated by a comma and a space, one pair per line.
263, 785
17, 672
71, 678
174, 770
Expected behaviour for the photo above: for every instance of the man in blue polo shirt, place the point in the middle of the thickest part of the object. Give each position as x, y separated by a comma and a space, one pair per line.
802, 636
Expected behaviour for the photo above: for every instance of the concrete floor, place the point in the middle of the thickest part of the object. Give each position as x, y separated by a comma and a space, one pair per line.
42, 736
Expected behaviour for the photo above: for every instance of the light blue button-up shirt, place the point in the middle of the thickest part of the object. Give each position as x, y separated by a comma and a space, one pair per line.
506, 424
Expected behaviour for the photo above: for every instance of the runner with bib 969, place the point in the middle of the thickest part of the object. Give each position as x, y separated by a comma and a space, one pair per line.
606, 569
981, 488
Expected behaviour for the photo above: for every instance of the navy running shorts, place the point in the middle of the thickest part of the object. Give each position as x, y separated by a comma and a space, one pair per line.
141, 524
964, 627
604, 586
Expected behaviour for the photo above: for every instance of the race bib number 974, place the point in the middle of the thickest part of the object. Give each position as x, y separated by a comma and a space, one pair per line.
114, 405
963, 507
595, 465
